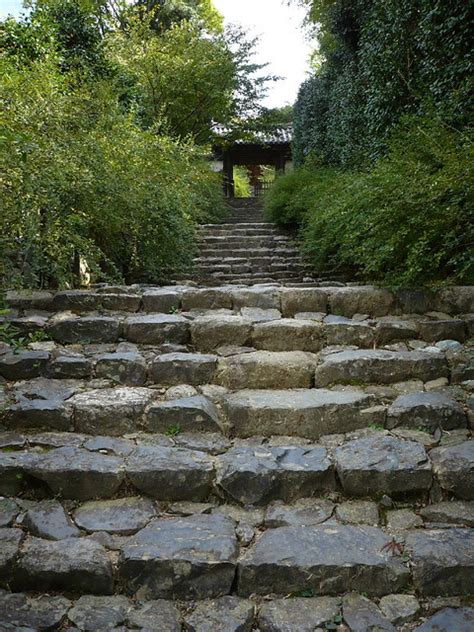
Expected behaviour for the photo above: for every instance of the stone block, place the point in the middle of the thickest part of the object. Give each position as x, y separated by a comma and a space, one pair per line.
303, 412
382, 464
329, 559
157, 329
171, 473
255, 476
180, 558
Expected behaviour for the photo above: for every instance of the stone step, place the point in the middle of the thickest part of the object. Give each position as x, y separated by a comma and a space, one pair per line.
338, 559
239, 229
380, 367
260, 405
159, 466
307, 331
302, 413
223, 252
245, 241
197, 557
268, 263
247, 268
22, 611
254, 259
280, 276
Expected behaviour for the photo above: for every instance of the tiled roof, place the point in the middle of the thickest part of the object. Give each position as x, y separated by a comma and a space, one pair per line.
280, 135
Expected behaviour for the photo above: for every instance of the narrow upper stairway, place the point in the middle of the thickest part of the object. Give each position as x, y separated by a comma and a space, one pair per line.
247, 249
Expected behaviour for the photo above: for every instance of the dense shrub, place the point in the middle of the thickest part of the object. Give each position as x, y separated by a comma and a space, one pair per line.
82, 178
379, 61
408, 220
290, 197
241, 182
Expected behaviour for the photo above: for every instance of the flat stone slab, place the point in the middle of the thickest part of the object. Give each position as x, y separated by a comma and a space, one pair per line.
399, 608
214, 331
24, 365
302, 413
125, 367
111, 411
69, 366
457, 299
449, 620
428, 410
121, 302
288, 334
13, 469
180, 558
260, 297
295, 300
40, 414
76, 301
121, 516
38, 613
156, 329
347, 301
327, 559
388, 331
301, 513
380, 367
75, 565
161, 300
171, 473
443, 561
88, 329
261, 474
435, 330
358, 512
9, 510
206, 298
47, 519
226, 614
302, 614
382, 464
189, 414
156, 615
267, 369
349, 333
361, 614
91, 612
10, 540
454, 468
450, 512
79, 474
171, 369
259, 314
29, 299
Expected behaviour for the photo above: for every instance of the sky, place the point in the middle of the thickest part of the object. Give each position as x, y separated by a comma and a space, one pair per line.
282, 43
281, 40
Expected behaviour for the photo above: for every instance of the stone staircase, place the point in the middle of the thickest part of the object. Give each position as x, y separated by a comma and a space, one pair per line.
247, 249
233, 458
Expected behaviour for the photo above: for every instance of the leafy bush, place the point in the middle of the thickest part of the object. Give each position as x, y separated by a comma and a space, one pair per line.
83, 179
290, 197
241, 182
378, 62
409, 220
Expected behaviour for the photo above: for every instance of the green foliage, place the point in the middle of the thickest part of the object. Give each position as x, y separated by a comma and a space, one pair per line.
173, 431
290, 197
241, 182
103, 103
406, 221
11, 335
382, 60
82, 178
